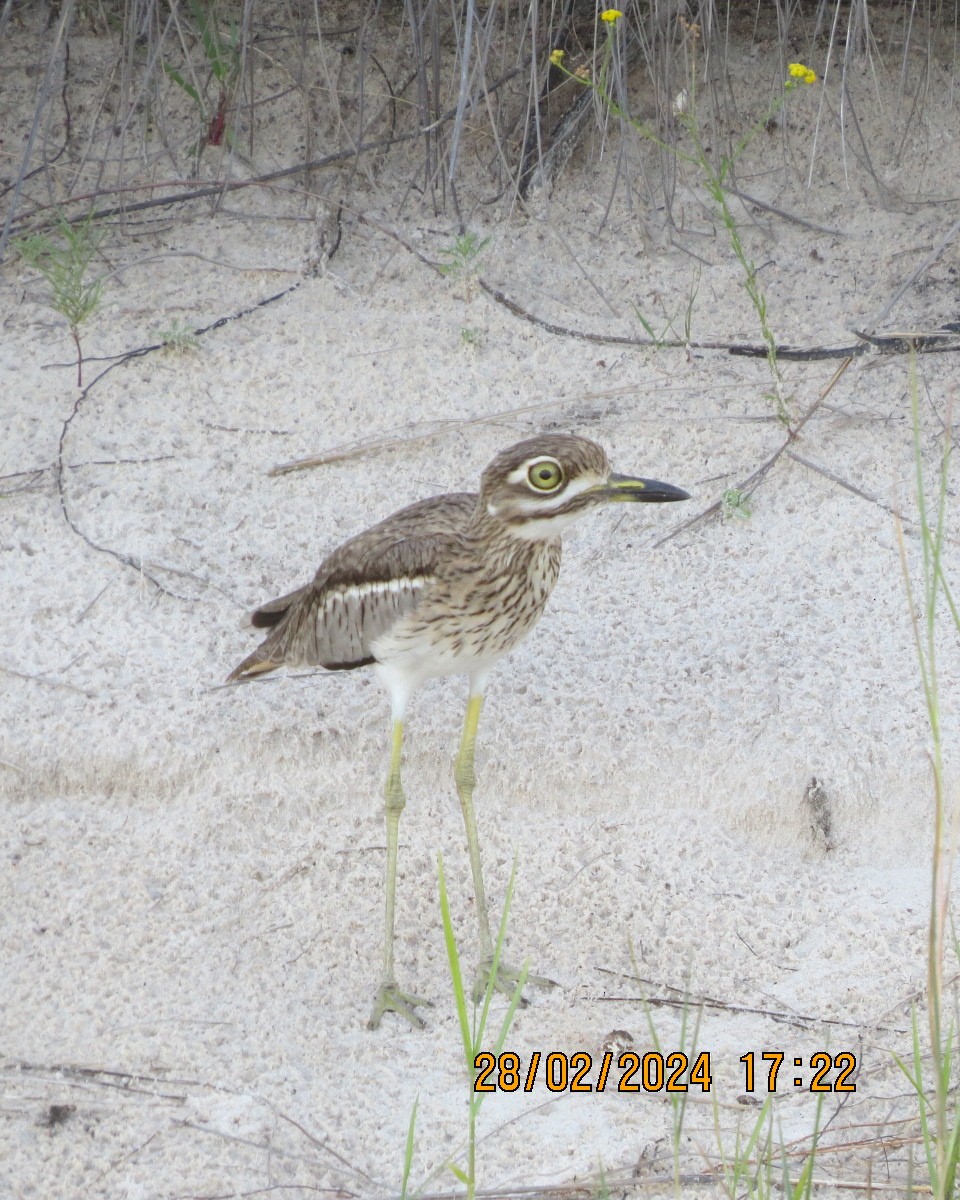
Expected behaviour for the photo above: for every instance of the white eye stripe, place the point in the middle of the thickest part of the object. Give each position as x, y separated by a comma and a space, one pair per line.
583, 484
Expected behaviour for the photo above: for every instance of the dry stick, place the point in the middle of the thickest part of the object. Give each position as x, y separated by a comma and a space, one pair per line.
753, 481
682, 997
532, 143
600, 339
80, 1071
435, 429
868, 496
800, 1021
5, 17
216, 189
67, 123
137, 564
320, 1143
892, 344
36, 472
786, 216
66, 20
613, 339
350, 450
628, 1180
53, 683
888, 198
223, 186
915, 275
275, 1151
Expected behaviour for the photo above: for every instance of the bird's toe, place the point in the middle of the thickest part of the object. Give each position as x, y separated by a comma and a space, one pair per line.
391, 999
506, 979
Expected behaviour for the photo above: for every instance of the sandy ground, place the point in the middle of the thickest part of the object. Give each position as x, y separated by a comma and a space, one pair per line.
191, 891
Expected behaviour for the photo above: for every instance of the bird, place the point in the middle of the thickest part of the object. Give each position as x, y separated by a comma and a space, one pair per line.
446, 586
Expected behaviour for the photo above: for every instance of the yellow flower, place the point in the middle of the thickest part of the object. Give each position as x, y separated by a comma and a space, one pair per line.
804, 74
557, 57
611, 15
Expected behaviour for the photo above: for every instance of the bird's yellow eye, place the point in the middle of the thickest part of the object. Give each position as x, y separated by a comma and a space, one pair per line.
545, 475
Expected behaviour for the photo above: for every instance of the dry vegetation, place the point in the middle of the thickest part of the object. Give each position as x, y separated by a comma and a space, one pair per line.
386, 114
414, 108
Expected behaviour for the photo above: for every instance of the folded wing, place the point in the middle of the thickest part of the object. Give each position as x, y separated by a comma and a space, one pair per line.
359, 592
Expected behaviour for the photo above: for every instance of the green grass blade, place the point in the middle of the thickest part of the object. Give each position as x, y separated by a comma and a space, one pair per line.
497, 954
453, 958
408, 1150
178, 79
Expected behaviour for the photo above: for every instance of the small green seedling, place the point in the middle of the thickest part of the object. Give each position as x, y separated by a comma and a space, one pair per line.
462, 257
179, 338
64, 262
735, 505
471, 337
670, 335
473, 1033
408, 1151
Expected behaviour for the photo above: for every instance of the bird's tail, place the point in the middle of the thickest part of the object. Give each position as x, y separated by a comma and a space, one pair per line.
286, 645
254, 664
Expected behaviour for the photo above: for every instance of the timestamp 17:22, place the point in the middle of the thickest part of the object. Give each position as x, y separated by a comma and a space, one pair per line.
767, 1069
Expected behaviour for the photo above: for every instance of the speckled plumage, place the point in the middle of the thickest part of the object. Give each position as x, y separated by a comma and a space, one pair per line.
446, 586
360, 591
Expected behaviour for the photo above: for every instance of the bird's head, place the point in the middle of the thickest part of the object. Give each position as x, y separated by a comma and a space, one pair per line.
537, 487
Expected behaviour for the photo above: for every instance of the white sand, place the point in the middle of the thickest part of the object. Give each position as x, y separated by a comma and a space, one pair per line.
190, 902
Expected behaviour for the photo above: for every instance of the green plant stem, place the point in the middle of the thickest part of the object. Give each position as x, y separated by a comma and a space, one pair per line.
75, 334
940, 1129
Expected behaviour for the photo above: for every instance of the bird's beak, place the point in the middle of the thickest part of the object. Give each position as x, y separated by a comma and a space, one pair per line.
648, 491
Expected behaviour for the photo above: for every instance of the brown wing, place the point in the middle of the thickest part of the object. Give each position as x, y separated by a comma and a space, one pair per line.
360, 591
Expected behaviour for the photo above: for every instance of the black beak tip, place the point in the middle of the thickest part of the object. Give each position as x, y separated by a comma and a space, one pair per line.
648, 491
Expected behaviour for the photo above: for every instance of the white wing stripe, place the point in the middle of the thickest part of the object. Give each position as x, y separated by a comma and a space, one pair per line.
357, 591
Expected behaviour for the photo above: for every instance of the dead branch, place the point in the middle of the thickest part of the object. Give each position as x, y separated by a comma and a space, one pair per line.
128, 560
753, 481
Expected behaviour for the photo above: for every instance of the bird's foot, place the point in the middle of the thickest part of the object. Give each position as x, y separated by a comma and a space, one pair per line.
505, 980
391, 999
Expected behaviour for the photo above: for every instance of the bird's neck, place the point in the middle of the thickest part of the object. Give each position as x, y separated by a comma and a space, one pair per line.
488, 527
532, 528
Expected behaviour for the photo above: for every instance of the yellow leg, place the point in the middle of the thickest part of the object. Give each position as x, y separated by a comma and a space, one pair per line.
466, 780
390, 998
